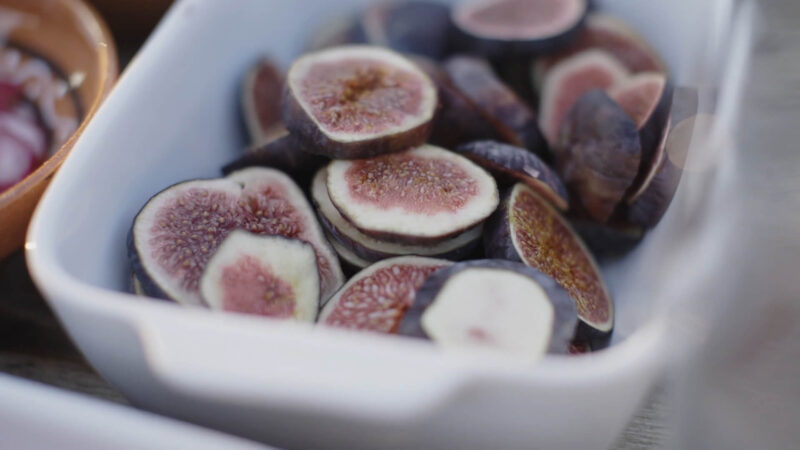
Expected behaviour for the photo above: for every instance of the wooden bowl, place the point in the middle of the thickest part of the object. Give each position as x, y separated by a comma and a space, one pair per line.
74, 38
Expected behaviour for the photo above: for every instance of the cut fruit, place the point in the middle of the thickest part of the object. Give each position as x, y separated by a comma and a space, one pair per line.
495, 304
367, 248
661, 181
518, 27
458, 120
418, 27
507, 162
284, 153
568, 81
180, 228
261, 93
510, 116
646, 98
600, 154
612, 35
352, 263
419, 196
527, 229
358, 101
269, 276
23, 144
376, 299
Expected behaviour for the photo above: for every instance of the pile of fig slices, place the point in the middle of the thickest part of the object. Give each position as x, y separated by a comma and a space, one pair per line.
444, 157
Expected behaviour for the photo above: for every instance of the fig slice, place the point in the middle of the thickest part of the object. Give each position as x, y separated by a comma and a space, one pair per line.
646, 97
518, 27
608, 241
518, 164
367, 248
408, 26
358, 101
492, 303
178, 230
511, 117
282, 152
270, 276
376, 299
261, 93
527, 228
608, 33
663, 176
420, 196
458, 120
24, 142
599, 154
568, 81
352, 263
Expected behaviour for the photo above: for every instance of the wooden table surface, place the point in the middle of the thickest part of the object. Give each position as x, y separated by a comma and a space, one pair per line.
33, 345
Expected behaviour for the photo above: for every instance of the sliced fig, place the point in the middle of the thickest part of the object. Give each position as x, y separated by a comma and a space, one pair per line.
518, 27
661, 179
261, 93
351, 263
646, 98
510, 116
599, 154
376, 299
518, 164
23, 143
419, 196
408, 26
568, 81
612, 35
270, 276
285, 153
496, 304
180, 228
458, 120
369, 249
358, 101
608, 240
527, 229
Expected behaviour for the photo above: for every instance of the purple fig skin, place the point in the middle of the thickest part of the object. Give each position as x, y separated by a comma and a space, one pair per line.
608, 241
284, 153
416, 27
500, 244
465, 39
457, 120
512, 118
516, 74
600, 154
566, 315
518, 164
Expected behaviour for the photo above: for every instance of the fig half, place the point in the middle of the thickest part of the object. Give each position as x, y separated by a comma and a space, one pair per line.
261, 93
646, 97
179, 229
568, 81
507, 162
283, 152
497, 304
367, 248
376, 299
408, 26
527, 229
518, 27
358, 101
612, 35
419, 196
510, 116
599, 154
269, 276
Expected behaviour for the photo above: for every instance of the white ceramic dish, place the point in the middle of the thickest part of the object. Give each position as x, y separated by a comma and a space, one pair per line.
173, 116
34, 416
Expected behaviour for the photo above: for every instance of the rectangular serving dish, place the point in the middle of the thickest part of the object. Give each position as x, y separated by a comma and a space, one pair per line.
174, 116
